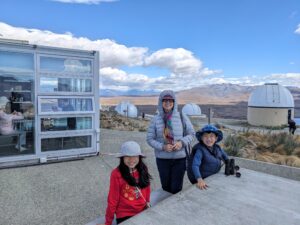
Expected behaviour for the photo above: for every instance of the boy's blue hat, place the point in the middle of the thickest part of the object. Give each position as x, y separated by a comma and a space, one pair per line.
209, 129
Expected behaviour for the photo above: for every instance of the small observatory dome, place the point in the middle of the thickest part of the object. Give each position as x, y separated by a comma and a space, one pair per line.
125, 108
191, 109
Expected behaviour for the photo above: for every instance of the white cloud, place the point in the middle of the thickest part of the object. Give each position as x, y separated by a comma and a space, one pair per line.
89, 2
286, 79
297, 31
186, 70
116, 78
179, 61
184, 67
111, 53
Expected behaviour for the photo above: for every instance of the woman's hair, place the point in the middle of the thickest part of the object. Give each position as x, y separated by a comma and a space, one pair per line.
144, 176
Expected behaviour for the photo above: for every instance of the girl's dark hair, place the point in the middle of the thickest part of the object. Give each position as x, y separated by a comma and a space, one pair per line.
144, 176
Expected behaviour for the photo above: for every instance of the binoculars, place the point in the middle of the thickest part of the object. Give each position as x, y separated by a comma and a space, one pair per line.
231, 168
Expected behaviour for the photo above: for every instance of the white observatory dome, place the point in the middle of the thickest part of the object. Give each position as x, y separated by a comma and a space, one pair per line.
191, 109
271, 95
125, 108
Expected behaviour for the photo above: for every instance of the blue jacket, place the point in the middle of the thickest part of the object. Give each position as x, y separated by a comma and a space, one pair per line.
155, 131
205, 163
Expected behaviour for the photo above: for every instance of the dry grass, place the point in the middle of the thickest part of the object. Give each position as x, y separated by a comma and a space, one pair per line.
111, 120
279, 148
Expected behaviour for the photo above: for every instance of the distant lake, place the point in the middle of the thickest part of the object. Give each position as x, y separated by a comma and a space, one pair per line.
297, 120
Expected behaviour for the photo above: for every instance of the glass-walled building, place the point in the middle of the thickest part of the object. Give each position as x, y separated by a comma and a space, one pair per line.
49, 103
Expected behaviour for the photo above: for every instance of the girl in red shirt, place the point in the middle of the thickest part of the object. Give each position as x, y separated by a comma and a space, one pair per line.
129, 191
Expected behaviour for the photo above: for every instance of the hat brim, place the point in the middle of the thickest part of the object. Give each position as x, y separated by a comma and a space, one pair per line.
167, 96
122, 155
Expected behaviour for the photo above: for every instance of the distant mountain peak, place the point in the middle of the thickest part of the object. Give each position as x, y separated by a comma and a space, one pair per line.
226, 92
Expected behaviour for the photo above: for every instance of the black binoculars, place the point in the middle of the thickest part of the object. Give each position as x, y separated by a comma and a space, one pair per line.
231, 168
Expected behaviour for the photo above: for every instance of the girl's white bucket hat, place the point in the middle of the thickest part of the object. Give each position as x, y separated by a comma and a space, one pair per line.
130, 148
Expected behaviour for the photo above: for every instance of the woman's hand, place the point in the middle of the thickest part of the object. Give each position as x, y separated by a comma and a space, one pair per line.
177, 145
201, 184
168, 148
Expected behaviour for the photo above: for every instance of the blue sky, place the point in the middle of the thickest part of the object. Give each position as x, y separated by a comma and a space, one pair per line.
159, 44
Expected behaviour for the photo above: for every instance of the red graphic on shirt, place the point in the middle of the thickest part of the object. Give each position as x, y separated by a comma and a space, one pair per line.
129, 192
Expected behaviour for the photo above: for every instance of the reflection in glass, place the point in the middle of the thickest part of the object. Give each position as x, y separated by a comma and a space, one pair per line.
17, 139
53, 84
16, 103
16, 62
19, 90
66, 123
64, 143
51, 64
66, 104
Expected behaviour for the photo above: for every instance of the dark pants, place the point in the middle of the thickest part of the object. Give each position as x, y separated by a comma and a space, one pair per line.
120, 220
171, 173
292, 130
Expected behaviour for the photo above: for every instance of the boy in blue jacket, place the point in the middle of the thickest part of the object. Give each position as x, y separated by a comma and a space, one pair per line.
208, 154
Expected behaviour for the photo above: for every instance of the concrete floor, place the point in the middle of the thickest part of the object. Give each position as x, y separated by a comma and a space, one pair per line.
75, 192
66, 193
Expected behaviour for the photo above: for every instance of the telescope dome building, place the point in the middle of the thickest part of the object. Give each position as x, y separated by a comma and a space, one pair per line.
191, 109
270, 105
125, 108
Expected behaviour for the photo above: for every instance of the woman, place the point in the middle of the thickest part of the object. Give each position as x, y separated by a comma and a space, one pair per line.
169, 133
129, 191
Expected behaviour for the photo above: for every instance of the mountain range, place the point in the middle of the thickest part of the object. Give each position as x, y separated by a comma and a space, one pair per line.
208, 94
131, 92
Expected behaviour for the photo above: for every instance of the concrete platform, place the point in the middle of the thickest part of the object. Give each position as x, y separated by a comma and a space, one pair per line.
156, 197
75, 192
255, 198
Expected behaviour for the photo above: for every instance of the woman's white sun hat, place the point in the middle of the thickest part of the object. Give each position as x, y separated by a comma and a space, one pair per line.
130, 148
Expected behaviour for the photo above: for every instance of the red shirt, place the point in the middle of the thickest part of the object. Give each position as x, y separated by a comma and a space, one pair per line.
123, 199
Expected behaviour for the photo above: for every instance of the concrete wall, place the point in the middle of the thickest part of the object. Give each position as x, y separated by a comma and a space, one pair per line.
269, 168
268, 116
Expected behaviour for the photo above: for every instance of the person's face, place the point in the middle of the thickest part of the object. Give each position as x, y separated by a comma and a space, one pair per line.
209, 139
167, 104
131, 161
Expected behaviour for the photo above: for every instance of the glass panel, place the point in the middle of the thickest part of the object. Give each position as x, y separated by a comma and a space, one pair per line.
66, 104
16, 62
51, 64
17, 134
67, 123
17, 92
17, 113
53, 84
64, 143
